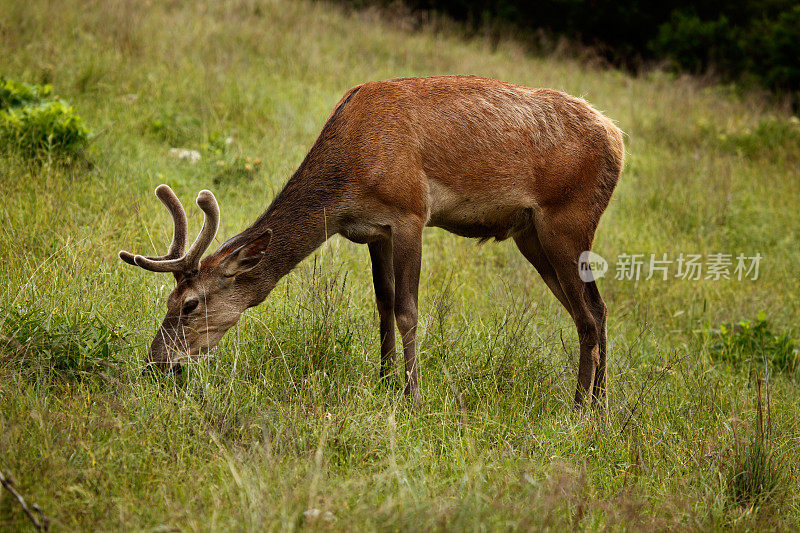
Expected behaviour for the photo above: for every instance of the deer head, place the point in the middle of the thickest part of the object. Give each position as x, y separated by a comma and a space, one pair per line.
210, 296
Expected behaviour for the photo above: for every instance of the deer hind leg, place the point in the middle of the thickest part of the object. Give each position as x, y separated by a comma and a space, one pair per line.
406, 258
380, 253
563, 238
598, 308
528, 243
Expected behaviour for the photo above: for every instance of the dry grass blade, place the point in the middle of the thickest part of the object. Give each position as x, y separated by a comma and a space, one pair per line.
34, 513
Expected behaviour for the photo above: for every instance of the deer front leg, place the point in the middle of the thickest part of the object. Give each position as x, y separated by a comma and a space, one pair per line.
380, 253
406, 257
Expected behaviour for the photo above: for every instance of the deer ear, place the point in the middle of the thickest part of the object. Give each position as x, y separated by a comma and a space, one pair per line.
246, 256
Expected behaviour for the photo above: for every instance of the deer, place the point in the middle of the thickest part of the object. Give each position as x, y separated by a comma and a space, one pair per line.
478, 157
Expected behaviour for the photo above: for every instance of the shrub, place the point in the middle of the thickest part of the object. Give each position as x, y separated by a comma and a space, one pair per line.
775, 47
36, 125
752, 40
697, 44
37, 339
763, 44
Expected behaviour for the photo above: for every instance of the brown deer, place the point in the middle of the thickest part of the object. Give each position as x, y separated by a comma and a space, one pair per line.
478, 157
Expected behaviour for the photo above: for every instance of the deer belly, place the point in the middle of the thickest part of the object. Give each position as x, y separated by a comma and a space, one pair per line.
481, 215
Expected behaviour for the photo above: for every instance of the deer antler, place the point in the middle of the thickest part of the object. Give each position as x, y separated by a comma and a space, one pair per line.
179, 232
174, 261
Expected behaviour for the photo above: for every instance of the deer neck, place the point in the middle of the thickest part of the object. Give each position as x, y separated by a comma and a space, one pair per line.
301, 219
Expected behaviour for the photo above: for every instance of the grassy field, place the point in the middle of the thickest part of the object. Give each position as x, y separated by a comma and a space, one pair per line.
285, 427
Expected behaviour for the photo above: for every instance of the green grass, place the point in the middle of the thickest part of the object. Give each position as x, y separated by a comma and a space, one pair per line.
287, 416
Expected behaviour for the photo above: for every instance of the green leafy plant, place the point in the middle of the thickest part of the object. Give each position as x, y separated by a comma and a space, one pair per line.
37, 125
16, 93
79, 344
749, 343
46, 128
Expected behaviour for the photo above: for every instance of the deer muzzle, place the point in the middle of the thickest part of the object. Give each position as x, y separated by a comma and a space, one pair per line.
169, 348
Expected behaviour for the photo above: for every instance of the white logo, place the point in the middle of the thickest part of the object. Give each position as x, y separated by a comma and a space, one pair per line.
591, 266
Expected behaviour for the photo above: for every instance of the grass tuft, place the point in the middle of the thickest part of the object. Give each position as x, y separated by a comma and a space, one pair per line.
41, 341
755, 474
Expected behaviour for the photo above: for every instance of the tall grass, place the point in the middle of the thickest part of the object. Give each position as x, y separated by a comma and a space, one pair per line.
286, 426
755, 472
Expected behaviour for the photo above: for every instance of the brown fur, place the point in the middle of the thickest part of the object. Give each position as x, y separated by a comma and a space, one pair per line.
479, 157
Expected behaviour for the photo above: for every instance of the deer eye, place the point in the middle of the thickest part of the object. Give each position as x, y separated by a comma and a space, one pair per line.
189, 306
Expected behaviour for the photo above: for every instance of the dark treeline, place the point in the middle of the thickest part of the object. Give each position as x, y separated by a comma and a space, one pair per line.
749, 40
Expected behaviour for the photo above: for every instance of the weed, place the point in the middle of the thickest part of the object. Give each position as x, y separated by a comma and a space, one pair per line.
228, 164
752, 343
217, 144
442, 309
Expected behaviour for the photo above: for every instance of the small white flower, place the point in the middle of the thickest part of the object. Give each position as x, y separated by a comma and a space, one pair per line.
184, 154
313, 514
